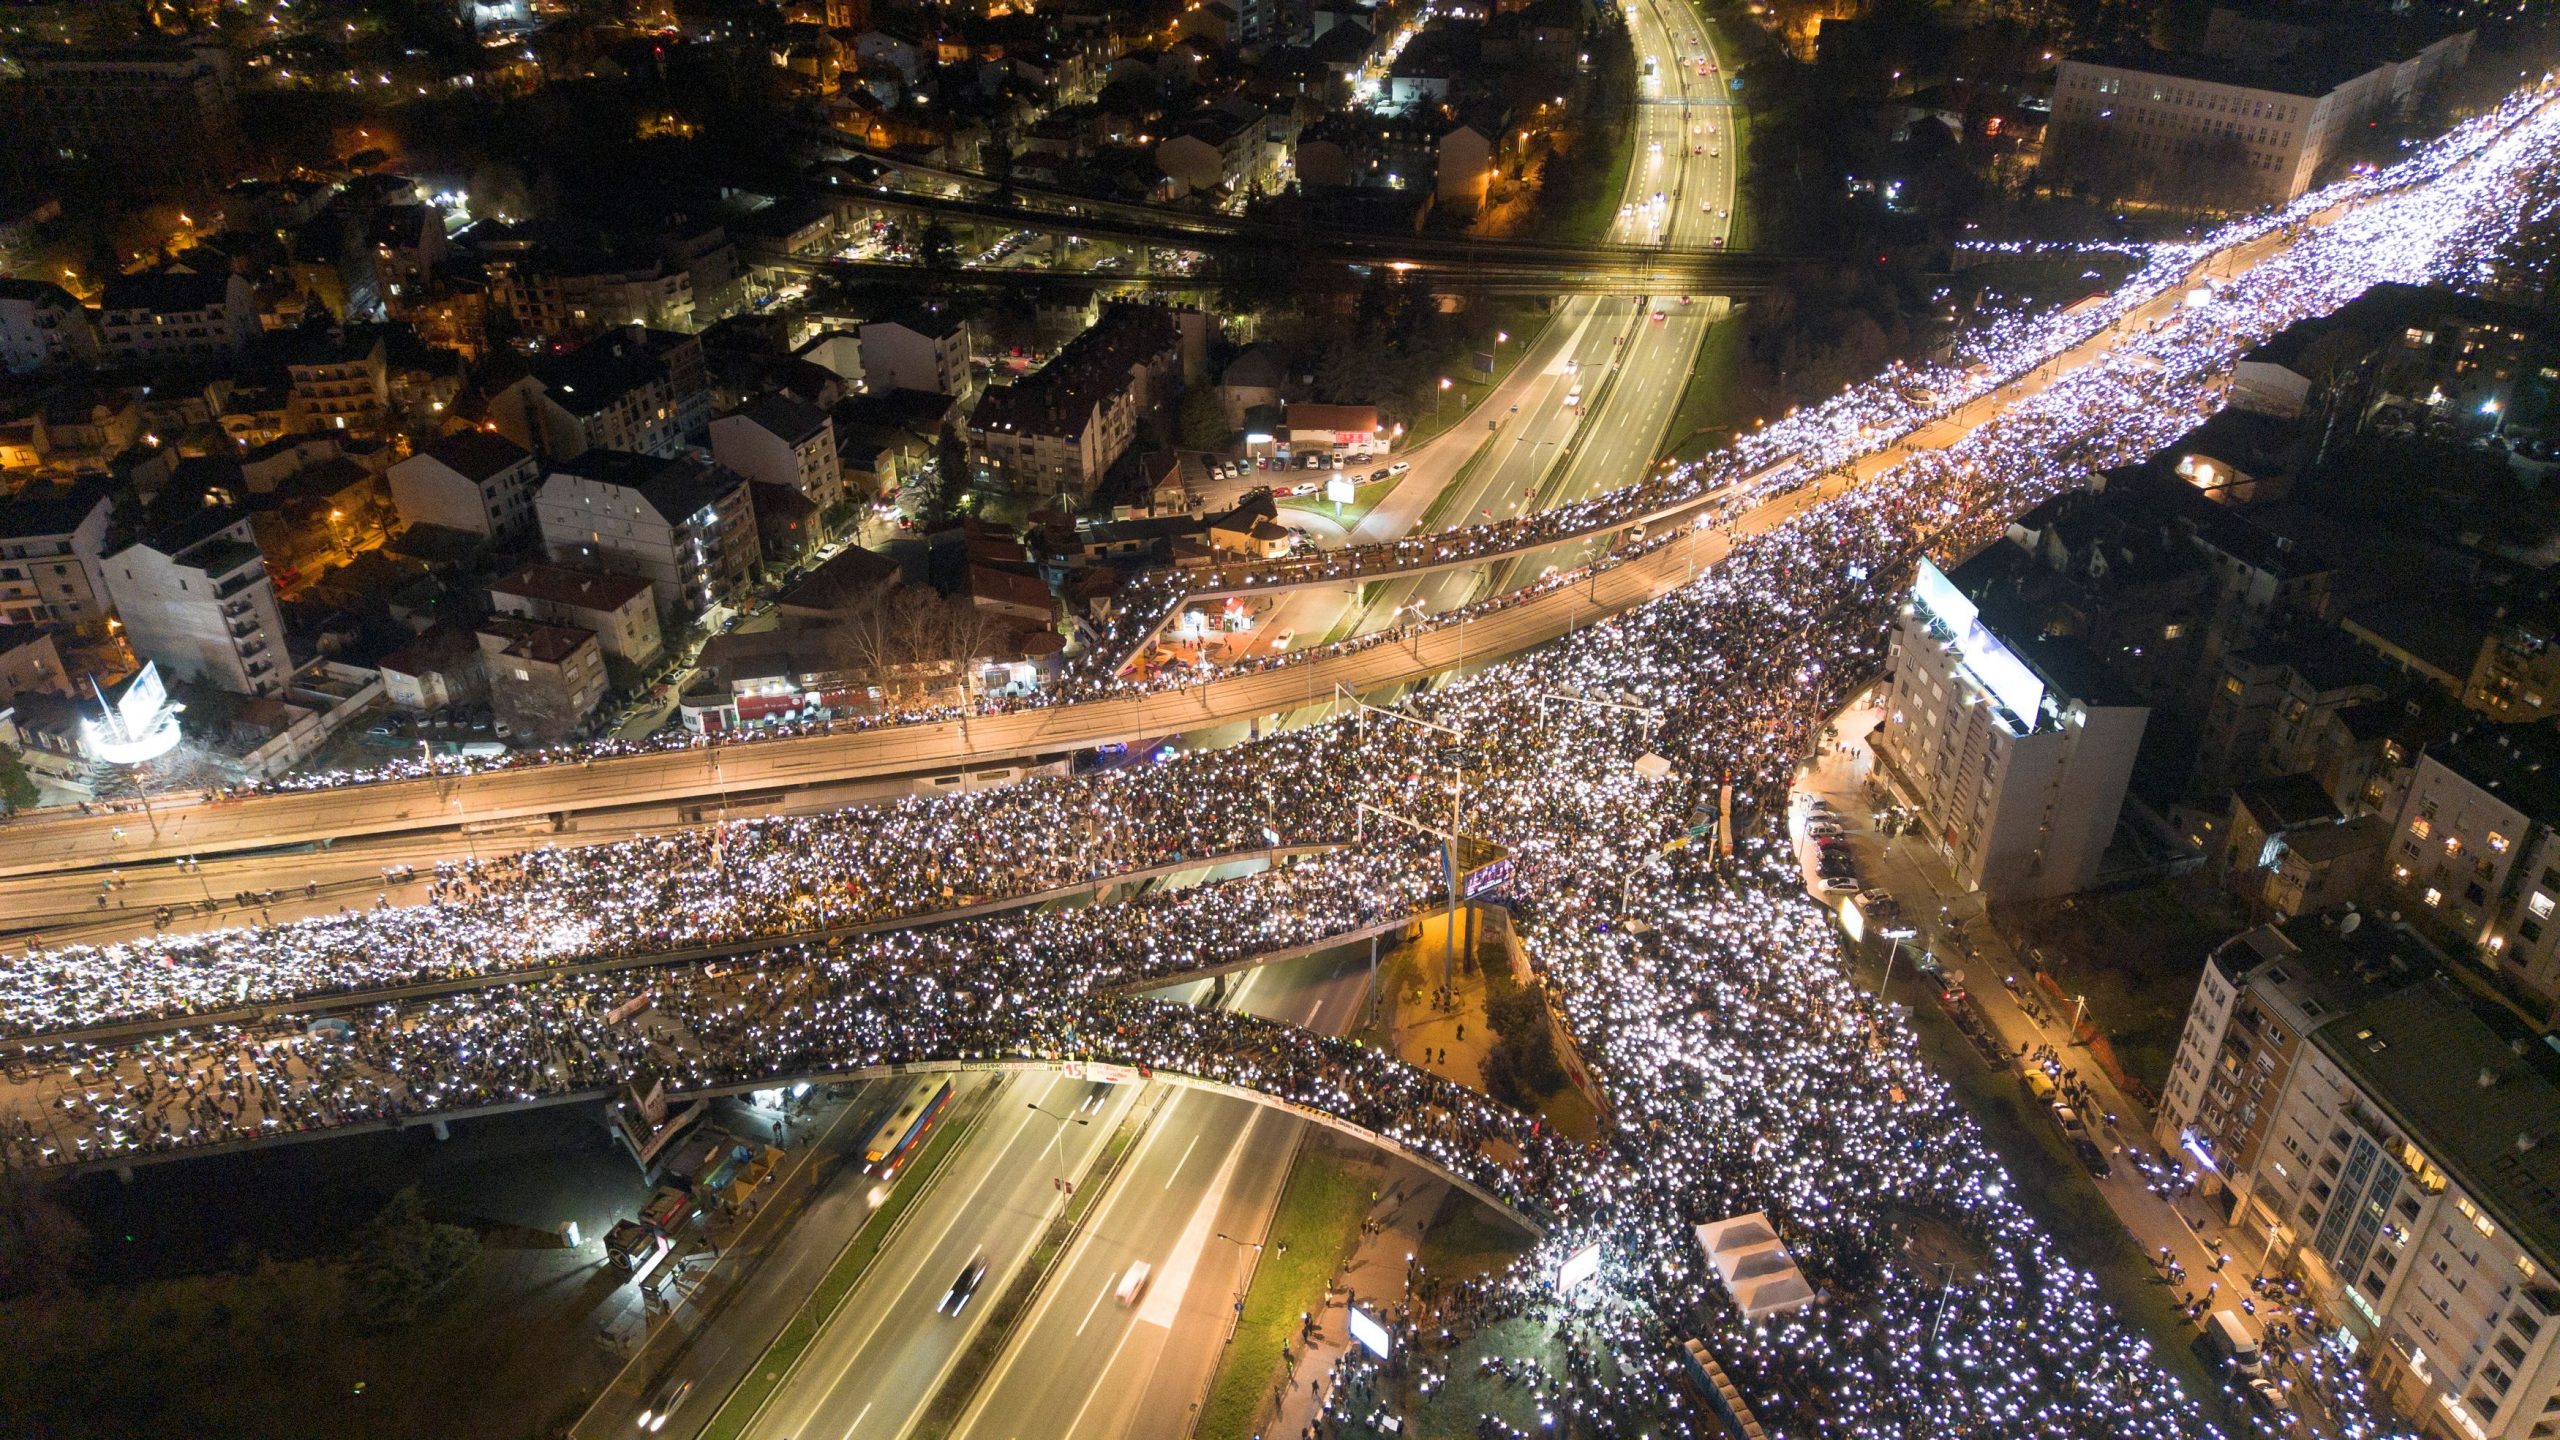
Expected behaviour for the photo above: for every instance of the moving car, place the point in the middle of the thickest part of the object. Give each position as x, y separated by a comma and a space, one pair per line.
1134, 1284
1398, 468
1094, 1096
653, 1418
963, 1288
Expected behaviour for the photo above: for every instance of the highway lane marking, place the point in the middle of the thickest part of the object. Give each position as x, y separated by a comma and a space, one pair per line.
1178, 1164
864, 1414
1098, 1297
1095, 1224
915, 1267
1163, 1304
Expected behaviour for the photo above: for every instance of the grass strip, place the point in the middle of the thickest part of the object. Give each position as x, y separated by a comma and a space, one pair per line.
1313, 1231
841, 1278
1710, 413
988, 1345
1437, 510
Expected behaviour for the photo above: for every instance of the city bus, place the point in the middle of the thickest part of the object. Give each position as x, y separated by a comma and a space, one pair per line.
886, 1152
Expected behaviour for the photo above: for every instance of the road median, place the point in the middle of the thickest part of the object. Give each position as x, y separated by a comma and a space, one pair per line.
757, 1390
950, 1403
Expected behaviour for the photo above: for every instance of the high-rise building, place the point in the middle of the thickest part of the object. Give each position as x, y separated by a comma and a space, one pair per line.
195, 596
2016, 748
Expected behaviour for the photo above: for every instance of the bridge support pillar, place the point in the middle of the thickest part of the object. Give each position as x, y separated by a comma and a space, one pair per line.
443, 1130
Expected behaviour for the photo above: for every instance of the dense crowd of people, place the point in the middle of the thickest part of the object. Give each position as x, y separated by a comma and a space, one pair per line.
1744, 1069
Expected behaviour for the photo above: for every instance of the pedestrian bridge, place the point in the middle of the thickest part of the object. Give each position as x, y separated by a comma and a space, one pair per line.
1496, 1154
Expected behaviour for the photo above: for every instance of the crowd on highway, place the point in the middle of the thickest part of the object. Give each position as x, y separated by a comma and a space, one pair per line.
736, 883
1744, 1069
1775, 458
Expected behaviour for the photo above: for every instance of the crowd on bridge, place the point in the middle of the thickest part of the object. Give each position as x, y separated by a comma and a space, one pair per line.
1743, 1068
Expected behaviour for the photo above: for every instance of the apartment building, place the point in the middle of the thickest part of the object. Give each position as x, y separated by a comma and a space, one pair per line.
629, 389
687, 528
43, 328
544, 680
618, 609
336, 380
2475, 856
473, 481
1056, 431
926, 348
171, 317
2266, 103
52, 547
2374, 1130
781, 441
195, 597
2016, 748
154, 114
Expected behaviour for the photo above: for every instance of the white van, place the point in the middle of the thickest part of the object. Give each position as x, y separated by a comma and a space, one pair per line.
2231, 1342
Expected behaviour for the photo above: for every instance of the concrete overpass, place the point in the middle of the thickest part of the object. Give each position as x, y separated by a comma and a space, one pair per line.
1558, 266
56, 840
1089, 281
1095, 890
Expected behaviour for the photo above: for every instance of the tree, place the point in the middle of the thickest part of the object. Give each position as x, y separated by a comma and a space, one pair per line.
938, 246
40, 1241
17, 788
1204, 420
405, 1261
951, 477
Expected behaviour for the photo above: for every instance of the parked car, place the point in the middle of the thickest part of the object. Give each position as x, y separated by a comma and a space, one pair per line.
2092, 1157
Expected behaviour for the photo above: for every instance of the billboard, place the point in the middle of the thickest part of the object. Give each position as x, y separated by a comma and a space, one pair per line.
1490, 879
139, 725
1578, 1267
1370, 1333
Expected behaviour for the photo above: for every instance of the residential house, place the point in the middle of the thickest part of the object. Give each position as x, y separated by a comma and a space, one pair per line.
617, 609
544, 680
195, 597
474, 481
438, 670
687, 528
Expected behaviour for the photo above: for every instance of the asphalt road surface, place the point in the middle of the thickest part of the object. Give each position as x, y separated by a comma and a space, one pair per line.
876, 1366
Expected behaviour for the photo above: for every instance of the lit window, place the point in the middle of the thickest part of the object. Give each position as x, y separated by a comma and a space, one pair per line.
2453, 844
2434, 896
2497, 842
2420, 828
2399, 872
2541, 905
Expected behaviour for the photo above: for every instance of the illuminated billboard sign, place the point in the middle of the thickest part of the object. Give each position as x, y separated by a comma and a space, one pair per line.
1994, 666
140, 725
1370, 1333
1577, 1268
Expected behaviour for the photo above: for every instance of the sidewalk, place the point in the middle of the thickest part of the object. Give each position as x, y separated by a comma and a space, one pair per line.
1377, 1279
768, 1262
2216, 1266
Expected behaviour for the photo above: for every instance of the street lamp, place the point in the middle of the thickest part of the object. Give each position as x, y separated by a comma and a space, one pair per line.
1441, 395
1061, 1119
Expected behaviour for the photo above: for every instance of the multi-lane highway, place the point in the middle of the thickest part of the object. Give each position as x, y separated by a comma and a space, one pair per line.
1080, 1361
1608, 375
